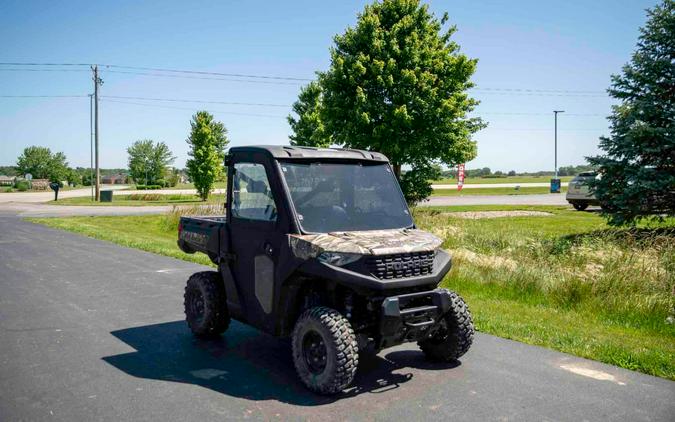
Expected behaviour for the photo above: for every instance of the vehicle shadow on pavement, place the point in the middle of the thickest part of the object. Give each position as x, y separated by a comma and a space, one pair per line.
247, 364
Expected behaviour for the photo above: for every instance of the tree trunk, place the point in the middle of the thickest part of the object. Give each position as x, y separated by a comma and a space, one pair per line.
397, 171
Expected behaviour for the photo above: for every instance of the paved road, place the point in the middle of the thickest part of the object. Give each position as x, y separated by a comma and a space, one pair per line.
94, 331
44, 210
36, 209
44, 196
120, 190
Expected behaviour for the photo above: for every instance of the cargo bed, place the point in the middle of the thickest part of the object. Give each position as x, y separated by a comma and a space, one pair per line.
207, 234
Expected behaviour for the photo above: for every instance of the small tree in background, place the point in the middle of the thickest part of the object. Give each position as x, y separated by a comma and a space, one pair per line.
42, 164
207, 140
638, 166
397, 84
148, 160
415, 183
308, 130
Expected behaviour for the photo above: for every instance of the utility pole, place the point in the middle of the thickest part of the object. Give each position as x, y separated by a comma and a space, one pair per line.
555, 183
91, 144
97, 81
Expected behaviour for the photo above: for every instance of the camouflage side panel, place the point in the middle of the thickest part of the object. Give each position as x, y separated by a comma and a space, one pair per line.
370, 242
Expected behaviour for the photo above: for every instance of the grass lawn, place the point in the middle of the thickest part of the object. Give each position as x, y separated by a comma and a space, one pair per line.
565, 281
530, 190
510, 179
142, 199
217, 185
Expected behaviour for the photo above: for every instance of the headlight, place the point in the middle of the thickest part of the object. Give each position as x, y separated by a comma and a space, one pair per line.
338, 259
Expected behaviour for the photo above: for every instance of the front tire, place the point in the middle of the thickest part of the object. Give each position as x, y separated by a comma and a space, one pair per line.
205, 305
580, 206
325, 351
455, 334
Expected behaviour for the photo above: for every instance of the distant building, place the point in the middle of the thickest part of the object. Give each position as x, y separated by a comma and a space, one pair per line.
115, 179
7, 180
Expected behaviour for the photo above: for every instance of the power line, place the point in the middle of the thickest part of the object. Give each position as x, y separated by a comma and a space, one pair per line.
43, 64
551, 91
536, 114
293, 80
42, 70
43, 96
192, 109
154, 69
178, 100
271, 105
203, 78
542, 130
536, 93
283, 117
199, 72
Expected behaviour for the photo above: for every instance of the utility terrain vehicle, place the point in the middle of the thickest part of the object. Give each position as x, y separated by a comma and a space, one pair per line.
320, 246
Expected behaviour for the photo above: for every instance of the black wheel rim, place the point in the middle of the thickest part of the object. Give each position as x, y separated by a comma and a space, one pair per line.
314, 351
196, 305
442, 333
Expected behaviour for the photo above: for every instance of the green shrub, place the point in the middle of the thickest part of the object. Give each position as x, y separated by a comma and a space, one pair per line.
148, 187
22, 185
145, 197
173, 180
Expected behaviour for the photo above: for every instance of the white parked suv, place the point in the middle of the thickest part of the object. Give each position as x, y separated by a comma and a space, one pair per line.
578, 193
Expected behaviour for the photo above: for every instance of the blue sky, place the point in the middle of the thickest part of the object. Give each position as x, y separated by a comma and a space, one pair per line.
535, 45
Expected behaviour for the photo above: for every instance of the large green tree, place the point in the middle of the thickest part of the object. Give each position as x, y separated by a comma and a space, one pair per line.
148, 160
207, 140
41, 163
308, 129
638, 164
397, 84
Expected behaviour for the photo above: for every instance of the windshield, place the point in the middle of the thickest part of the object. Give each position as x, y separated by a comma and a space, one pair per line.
345, 197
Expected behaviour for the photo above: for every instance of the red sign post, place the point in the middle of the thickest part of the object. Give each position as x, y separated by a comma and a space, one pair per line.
460, 176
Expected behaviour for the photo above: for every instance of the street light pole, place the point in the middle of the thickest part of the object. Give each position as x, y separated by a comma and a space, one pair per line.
555, 148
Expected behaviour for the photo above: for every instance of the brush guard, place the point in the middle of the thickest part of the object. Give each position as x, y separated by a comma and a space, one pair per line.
412, 316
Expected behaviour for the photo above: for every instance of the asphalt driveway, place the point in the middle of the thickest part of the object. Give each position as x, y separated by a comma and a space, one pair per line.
93, 331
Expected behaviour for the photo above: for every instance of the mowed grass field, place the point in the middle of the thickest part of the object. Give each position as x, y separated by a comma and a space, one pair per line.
495, 180
528, 190
142, 199
564, 280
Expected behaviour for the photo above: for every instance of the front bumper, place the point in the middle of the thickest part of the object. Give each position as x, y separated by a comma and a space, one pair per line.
412, 316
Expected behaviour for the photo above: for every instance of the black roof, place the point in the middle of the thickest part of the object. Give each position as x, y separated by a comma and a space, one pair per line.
296, 152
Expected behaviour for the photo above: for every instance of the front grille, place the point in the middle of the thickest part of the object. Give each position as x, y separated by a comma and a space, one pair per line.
401, 265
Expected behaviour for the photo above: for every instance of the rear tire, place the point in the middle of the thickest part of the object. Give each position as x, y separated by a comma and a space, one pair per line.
325, 351
205, 305
580, 206
455, 336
